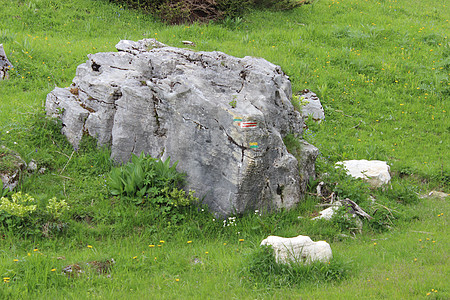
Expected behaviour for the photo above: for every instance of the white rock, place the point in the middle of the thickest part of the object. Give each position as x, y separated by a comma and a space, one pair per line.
298, 249
437, 194
375, 172
328, 213
313, 107
32, 166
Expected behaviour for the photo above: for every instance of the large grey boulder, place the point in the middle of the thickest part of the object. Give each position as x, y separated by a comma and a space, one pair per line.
223, 118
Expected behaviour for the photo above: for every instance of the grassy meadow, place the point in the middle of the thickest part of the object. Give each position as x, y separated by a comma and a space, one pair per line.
381, 70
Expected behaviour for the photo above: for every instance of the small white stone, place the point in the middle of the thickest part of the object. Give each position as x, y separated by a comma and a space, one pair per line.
328, 213
298, 249
375, 172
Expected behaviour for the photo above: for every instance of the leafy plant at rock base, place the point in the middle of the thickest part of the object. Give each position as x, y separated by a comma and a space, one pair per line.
149, 181
298, 102
136, 178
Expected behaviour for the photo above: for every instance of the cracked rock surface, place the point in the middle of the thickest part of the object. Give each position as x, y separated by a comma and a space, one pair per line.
223, 118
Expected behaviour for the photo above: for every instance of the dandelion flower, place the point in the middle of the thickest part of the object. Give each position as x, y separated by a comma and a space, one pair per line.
36, 250
16, 260
374, 244
241, 240
53, 270
162, 242
177, 279
151, 246
189, 242
224, 244
134, 257
428, 294
206, 252
89, 246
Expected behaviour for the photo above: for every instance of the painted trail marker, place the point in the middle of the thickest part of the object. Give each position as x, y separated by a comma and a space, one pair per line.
248, 124
253, 145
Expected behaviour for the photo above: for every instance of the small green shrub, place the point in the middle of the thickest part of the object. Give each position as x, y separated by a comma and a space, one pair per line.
57, 208
298, 102
151, 182
20, 205
23, 215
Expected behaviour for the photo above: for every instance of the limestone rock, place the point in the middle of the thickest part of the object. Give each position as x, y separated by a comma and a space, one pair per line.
5, 64
376, 172
437, 194
328, 213
223, 118
11, 168
32, 166
312, 106
298, 249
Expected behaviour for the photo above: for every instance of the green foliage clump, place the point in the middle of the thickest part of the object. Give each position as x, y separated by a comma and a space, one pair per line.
261, 267
298, 102
57, 208
20, 205
138, 177
23, 215
151, 182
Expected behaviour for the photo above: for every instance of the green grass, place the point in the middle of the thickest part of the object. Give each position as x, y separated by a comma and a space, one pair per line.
381, 70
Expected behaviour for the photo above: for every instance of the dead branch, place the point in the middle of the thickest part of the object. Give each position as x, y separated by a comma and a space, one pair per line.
67, 162
356, 209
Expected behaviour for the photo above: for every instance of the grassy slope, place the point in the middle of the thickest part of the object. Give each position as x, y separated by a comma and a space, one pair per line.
384, 63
